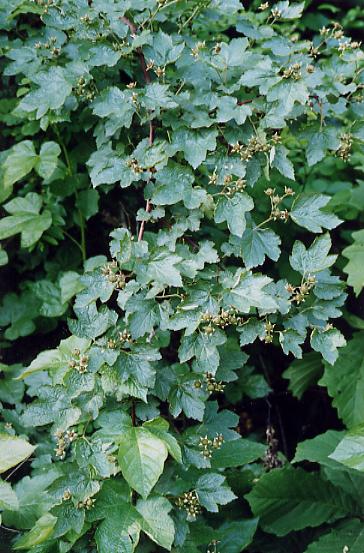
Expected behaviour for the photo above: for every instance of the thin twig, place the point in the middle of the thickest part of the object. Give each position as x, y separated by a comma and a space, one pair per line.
133, 29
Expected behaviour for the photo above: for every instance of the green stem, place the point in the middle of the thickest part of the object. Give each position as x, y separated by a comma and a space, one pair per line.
81, 245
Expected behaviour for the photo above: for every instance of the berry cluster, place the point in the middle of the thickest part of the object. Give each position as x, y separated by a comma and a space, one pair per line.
190, 503
275, 201
132, 163
50, 45
79, 362
115, 277
226, 317
299, 293
271, 460
344, 151
255, 145
84, 90
123, 337
195, 52
293, 72
87, 503
212, 385
64, 440
208, 446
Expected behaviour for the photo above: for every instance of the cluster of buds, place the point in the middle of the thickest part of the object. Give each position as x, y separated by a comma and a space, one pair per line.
299, 293
85, 19
135, 100
293, 72
232, 187
87, 503
123, 337
213, 385
115, 277
190, 503
83, 89
208, 446
226, 317
346, 142
195, 52
254, 146
276, 13
276, 212
78, 362
134, 165
269, 329
50, 45
64, 440
271, 460
67, 495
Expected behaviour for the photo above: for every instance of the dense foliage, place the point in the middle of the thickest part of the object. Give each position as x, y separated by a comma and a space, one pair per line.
181, 193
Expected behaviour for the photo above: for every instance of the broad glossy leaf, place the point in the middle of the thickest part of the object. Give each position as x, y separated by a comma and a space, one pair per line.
141, 459
13, 450
290, 499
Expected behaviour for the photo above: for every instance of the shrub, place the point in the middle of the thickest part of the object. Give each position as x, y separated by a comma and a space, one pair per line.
173, 170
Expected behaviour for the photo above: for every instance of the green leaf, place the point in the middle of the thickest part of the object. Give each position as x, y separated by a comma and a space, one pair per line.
159, 427
212, 491
314, 259
91, 322
88, 203
348, 536
103, 55
156, 522
318, 449
47, 160
195, 144
279, 160
56, 359
354, 268
13, 451
116, 106
8, 499
290, 499
141, 459
119, 532
42, 530
26, 219
235, 537
163, 49
249, 292
303, 373
326, 342
19, 162
161, 268
237, 453
158, 96
107, 166
350, 451
322, 139
289, 11
307, 212
254, 246
34, 500
233, 210
53, 90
